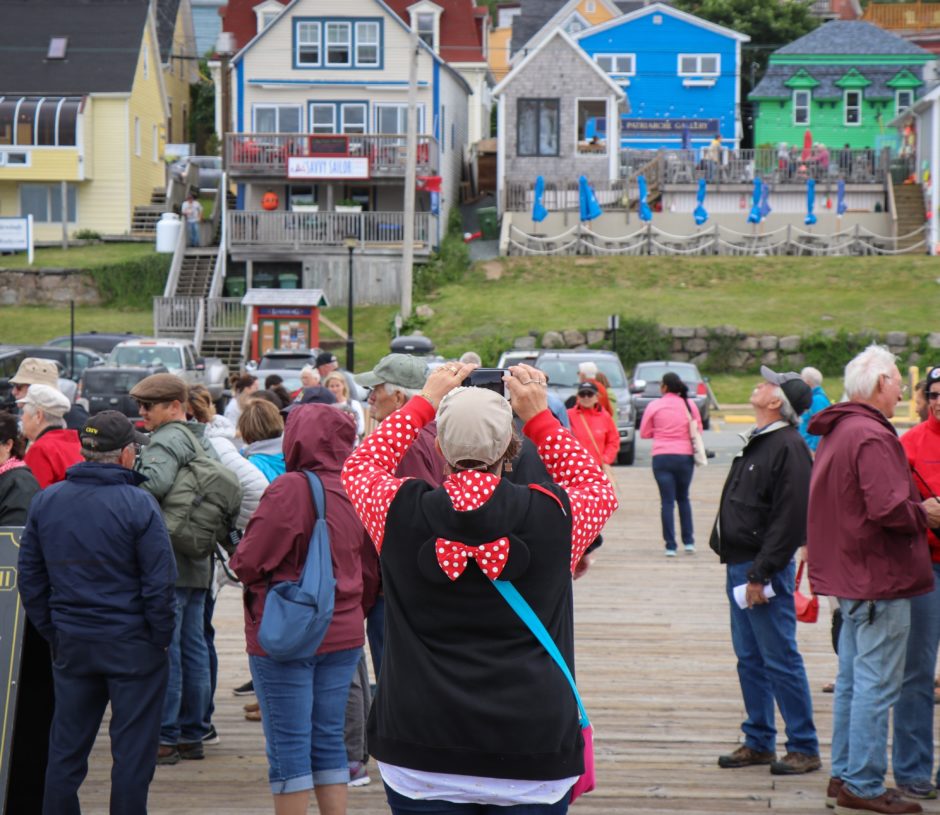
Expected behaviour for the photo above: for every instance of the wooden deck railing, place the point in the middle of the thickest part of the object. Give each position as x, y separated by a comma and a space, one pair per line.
267, 154
294, 230
912, 16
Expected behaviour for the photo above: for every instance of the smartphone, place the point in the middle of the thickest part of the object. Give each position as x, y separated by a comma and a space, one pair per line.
489, 378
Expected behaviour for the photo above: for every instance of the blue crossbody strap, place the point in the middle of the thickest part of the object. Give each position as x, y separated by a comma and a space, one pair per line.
316, 489
518, 604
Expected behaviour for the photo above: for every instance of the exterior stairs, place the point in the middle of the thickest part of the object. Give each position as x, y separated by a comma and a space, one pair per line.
144, 220
909, 204
196, 272
225, 346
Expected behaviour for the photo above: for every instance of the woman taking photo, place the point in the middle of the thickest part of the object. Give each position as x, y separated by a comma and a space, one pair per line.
666, 422
337, 385
593, 426
303, 701
472, 715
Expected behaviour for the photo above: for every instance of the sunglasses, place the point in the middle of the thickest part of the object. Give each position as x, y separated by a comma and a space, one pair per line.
586, 394
144, 404
931, 395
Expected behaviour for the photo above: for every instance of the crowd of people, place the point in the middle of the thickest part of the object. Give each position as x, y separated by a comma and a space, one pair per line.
454, 530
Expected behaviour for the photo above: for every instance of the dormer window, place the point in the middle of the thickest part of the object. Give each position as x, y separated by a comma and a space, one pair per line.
424, 23
266, 13
57, 48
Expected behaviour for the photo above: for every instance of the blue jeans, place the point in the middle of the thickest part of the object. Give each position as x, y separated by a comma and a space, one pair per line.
673, 474
912, 751
303, 711
770, 666
192, 229
187, 693
209, 633
871, 670
400, 805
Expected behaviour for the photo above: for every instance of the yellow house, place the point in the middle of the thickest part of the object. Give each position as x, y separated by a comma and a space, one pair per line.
83, 110
179, 58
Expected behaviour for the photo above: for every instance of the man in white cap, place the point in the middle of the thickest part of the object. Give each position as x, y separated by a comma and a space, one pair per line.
53, 448
38, 371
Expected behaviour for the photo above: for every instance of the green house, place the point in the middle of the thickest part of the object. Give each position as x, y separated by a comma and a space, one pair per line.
844, 82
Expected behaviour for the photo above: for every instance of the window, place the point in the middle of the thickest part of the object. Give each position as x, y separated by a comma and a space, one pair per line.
323, 118
136, 136
11, 159
308, 43
353, 118
853, 107
537, 125
268, 17
617, 63
590, 6
367, 44
699, 64
338, 45
393, 119
903, 100
424, 22
801, 107
591, 139
44, 202
25, 118
146, 62
57, 48
67, 127
277, 119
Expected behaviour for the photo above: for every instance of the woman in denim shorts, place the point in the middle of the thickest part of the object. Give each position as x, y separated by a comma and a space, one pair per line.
303, 701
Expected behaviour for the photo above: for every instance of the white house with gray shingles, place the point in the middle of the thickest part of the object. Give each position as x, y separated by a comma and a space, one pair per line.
543, 105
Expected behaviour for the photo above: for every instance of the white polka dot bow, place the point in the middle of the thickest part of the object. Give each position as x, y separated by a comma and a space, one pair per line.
452, 557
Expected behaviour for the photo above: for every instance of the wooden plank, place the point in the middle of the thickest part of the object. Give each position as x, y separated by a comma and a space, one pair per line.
655, 667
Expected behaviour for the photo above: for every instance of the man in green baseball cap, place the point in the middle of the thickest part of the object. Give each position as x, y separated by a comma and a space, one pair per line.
393, 381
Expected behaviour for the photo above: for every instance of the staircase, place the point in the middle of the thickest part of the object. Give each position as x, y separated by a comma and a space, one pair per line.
227, 347
196, 272
909, 205
144, 221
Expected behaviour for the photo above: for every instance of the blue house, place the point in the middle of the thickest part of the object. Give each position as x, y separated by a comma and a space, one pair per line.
683, 75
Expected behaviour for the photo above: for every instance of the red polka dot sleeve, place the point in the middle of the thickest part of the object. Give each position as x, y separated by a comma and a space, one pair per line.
573, 468
368, 473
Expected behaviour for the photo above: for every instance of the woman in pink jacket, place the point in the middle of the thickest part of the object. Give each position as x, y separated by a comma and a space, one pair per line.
666, 422
593, 426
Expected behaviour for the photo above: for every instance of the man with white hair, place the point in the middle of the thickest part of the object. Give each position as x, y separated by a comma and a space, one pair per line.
813, 378
53, 448
867, 546
309, 376
761, 523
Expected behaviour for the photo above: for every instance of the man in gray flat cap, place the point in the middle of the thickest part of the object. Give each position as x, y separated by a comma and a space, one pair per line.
161, 400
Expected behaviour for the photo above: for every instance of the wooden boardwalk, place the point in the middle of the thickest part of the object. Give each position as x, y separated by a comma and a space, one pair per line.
655, 668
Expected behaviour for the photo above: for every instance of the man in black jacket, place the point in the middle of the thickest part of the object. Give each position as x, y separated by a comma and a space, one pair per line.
96, 575
761, 523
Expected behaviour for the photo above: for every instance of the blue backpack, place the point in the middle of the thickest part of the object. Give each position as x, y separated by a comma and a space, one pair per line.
298, 613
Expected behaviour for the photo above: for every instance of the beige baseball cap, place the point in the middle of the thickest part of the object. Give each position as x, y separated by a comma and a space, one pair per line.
474, 424
36, 371
50, 401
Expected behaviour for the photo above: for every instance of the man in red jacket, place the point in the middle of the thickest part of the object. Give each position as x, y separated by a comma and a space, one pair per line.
866, 539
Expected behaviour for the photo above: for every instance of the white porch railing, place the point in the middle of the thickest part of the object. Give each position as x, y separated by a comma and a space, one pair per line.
267, 154
200, 330
225, 315
294, 230
176, 315
173, 276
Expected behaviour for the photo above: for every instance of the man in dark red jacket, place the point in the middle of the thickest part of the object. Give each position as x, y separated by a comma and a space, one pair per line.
866, 538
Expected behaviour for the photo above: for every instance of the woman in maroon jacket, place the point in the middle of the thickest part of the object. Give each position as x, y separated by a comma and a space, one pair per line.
303, 701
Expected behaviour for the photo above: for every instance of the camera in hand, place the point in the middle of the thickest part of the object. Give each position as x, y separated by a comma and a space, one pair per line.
489, 378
